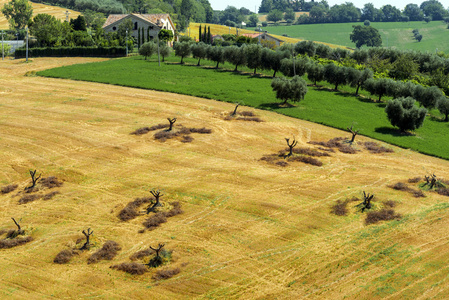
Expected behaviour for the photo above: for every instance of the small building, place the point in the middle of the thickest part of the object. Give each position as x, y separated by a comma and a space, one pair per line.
151, 23
264, 36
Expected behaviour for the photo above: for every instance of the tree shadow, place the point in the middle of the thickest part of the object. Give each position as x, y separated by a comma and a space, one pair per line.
273, 106
392, 131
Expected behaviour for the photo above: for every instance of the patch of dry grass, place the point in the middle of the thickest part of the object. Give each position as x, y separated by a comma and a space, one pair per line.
11, 243
130, 211
64, 256
166, 273
9, 188
384, 214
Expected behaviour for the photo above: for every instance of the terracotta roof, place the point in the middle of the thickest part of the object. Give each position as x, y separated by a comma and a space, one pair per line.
252, 35
153, 18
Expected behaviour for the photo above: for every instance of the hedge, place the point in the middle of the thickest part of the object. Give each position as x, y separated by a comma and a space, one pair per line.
72, 51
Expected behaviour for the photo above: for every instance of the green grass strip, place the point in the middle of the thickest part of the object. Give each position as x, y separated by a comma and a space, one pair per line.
321, 105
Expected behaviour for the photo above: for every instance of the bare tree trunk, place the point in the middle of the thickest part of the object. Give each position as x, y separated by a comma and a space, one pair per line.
291, 146
172, 121
34, 179
87, 234
235, 110
354, 133
157, 194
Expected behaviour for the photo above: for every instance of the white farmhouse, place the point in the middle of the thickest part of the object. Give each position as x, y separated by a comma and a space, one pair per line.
151, 23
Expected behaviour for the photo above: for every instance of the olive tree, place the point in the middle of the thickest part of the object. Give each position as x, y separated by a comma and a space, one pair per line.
315, 72
403, 113
199, 51
289, 89
215, 54
235, 55
182, 49
335, 75
148, 49
443, 107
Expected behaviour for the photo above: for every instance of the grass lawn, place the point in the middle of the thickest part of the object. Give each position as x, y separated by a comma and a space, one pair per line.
321, 105
394, 34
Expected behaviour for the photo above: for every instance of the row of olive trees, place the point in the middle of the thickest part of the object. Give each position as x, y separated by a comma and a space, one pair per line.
257, 57
149, 48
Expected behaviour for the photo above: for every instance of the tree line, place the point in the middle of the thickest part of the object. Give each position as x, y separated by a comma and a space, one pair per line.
284, 59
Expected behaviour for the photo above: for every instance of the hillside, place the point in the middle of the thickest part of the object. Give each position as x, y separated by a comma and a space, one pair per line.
394, 34
38, 8
250, 230
193, 32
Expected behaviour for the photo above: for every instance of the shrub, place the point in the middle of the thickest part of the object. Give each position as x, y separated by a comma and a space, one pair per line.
417, 193
376, 148
141, 254
50, 195
176, 210
131, 268
166, 273
307, 160
50, 182
141, 131
253, 119
340, 208
130, 210
308, 151
390, 203
443, 191
414, 180
10, 243
399, 186
200, 130
28, 198
108, 251
64, 256
8, 188
347, 149
71, 52
155, 220
373, 217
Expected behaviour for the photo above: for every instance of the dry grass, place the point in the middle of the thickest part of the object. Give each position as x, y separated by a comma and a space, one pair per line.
390, 203
107, 252
414, 180
180, 131
308, 151
250, 230
9, 188
166, 273
38, 8
145, 130
131, 268
338, 143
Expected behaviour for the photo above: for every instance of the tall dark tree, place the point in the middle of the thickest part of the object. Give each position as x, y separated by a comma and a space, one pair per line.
200, 36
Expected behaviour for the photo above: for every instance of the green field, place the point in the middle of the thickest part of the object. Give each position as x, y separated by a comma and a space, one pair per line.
321, 105
394, 34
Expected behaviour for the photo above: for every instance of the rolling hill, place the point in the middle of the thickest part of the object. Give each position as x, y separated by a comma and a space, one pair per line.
394, 34
38, 8
250, 229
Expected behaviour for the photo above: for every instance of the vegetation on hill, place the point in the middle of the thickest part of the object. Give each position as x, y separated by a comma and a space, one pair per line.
394, 34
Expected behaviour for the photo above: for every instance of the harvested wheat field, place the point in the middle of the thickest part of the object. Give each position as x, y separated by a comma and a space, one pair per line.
250, 228
39, 8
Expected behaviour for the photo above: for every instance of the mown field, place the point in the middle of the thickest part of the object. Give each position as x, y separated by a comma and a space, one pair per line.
38, 8
394, 34
321, 104
250, 230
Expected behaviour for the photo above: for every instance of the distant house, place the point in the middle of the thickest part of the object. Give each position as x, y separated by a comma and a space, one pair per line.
151, 23
264, 36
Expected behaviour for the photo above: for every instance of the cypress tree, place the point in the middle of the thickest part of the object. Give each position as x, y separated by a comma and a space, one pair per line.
148, 34
209, 37
205, 35
138, 37
143, 35
200, 38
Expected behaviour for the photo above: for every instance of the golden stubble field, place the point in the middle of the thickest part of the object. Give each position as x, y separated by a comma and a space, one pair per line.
39, 8
249, 230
